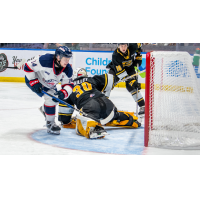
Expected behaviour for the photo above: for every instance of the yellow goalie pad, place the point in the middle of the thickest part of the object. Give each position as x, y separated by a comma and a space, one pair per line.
84, 130
84, 126
71, 124
125, 122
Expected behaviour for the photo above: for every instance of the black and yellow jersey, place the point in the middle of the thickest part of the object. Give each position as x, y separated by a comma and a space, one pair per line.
87, 88
102, 82
124, 62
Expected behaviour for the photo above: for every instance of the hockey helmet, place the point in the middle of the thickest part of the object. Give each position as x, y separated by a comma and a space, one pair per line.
79, 73
122, 44
63, 51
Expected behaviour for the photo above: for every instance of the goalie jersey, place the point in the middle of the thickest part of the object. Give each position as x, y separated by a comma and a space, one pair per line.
87, 88
43, 69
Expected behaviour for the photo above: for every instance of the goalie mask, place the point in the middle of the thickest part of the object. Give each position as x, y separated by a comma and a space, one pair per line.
79, 73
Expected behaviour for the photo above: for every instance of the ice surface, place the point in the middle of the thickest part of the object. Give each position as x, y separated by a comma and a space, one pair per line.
22, 130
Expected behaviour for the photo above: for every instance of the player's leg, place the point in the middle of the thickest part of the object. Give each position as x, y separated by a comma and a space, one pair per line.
132, 85
50, 111
65, 116
112, 79
109, 84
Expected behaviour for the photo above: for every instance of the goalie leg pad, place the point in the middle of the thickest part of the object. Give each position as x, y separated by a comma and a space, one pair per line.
71, 124
89, 128
125, 119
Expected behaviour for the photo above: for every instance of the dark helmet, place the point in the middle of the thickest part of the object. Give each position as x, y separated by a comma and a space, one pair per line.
63, 51
122, 44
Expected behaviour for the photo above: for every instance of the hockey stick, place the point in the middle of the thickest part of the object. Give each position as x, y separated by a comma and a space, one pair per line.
69, 105
137, 94
18, 65
129, 77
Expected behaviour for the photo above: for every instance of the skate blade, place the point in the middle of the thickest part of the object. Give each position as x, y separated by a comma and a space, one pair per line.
96, 136
53, 132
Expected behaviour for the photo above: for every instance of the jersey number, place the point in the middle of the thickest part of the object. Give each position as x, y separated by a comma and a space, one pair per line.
86, 87
119, 68
33, 63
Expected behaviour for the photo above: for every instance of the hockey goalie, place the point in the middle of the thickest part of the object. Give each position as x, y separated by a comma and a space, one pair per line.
87, 96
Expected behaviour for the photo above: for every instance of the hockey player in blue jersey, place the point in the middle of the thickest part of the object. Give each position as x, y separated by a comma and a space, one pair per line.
44, 73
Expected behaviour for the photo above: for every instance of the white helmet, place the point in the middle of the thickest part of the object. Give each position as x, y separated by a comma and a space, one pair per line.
79, 72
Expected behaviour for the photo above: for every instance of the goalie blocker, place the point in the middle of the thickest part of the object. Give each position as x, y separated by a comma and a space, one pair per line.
88, 97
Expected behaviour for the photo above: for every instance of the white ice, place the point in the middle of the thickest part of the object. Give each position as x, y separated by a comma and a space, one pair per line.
20, 117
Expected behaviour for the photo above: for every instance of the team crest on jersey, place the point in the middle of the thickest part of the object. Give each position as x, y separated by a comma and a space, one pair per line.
34, 63
3, 62
49, 81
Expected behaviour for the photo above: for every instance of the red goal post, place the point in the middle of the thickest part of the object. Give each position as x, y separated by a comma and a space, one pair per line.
147, 96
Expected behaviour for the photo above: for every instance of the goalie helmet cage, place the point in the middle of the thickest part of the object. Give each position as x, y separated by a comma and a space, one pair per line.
172, 101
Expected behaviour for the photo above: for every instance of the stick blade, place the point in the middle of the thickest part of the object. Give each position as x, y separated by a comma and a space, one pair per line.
21, 63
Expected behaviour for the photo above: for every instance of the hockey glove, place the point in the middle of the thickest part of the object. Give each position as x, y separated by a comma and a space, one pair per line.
133, 84
138, 59
36, 86
62, 94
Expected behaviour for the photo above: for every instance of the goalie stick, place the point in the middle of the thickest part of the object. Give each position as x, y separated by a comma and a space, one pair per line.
18, 65
83, 113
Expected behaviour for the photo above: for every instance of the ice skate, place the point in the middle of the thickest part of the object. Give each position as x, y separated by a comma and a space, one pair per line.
98, 133
141, 111
138, 122
53, 128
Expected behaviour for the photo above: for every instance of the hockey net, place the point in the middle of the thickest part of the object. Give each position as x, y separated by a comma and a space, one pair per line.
172, 101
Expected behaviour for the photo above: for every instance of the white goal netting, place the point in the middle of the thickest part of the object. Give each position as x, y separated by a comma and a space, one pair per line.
174, 105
